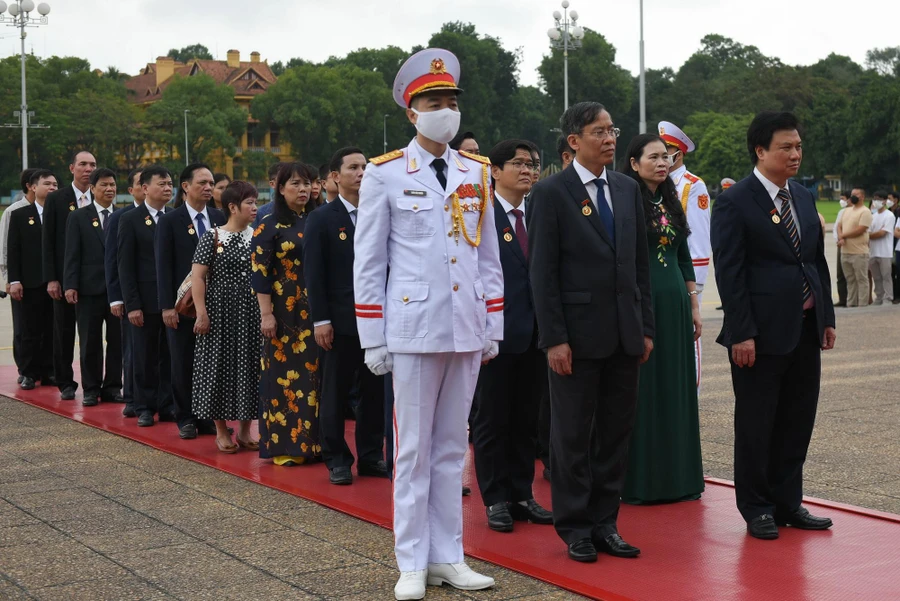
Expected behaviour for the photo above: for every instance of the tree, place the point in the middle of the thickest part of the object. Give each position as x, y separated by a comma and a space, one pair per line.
187, 53
386, 61
593, 75
115, 75
215, 121
884, 61
278, 67
873, 131
255, 166
721, 141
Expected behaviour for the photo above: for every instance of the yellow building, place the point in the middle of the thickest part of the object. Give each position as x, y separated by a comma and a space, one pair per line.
249, 79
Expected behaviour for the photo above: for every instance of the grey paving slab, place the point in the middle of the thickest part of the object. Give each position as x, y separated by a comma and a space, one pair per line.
127, 588
35, 567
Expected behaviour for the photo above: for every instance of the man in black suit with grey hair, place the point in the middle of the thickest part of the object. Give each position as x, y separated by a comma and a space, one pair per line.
590, 276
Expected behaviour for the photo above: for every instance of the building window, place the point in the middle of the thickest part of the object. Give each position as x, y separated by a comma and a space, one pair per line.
254, 136
274, 136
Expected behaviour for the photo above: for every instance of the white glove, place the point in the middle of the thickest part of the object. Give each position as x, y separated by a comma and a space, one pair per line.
379, 360
491, 350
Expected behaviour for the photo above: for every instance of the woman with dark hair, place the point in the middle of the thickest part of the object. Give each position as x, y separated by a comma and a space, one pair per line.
226, 355
289, 384
664, 461
221, 182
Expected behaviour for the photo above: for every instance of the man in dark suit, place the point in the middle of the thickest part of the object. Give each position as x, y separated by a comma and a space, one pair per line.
504, 427
591, 282
176, 240
84, 281
27, 285
59, 204
137, 276
328, 268
114, 290
775, 286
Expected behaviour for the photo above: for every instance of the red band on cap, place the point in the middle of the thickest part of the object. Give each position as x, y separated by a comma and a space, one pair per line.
427, 82
674, 142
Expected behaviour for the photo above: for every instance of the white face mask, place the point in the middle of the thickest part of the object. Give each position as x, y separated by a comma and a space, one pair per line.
671, 158
439, 126
890, 203
844, 203
877, 205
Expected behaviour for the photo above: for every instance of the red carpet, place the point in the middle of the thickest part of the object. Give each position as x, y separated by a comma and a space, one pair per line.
691, 551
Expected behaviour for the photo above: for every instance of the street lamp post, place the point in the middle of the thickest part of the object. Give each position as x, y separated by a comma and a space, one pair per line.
567, 34
186, 152
19, 16
385, 133
642, 126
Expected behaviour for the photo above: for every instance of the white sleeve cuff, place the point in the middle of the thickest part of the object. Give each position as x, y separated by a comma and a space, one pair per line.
316, 324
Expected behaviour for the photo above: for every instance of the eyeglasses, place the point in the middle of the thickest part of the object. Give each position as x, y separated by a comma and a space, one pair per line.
522, 164
613, 132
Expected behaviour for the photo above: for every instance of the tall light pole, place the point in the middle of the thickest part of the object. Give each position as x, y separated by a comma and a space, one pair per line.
385, 133
642, 127
19, 17
186, 152
567, 34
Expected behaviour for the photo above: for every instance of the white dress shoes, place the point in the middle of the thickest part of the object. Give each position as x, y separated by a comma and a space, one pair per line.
457, 575
411, 585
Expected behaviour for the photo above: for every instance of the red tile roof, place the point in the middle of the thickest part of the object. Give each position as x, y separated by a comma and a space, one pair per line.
248, 79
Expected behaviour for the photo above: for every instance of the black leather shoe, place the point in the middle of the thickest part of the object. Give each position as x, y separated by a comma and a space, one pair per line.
375, 470
187, 432
167, 417
530, 512
145, 419
67, 394
499, 518
804, 520
466, 491
129, 411
341, 476
583, 551
90, 401
547, 474
763, 527
615, 546
26, 383
19, 380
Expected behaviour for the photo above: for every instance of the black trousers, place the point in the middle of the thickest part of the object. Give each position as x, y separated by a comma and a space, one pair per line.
91, 313
16, 307
181, 349
152, 367
593, 416
339, 366
36, 330
127, 360
543, 428
841, 280
774, 413
504, 430
64, 344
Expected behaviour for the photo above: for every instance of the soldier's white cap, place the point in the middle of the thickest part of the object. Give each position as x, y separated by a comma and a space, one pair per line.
673, 136
426, 70
727, 183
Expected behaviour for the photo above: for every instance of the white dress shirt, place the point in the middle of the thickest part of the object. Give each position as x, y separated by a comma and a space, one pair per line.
508, 209
79, 194
772, 190
154, 213
100, 208
587, 178
193, 213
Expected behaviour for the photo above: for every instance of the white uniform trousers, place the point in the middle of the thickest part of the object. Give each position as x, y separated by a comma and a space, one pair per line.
432, 397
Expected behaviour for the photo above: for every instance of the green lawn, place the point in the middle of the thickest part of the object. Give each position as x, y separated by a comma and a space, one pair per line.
829, 209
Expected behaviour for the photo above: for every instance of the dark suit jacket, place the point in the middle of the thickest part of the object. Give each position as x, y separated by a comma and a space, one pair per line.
175, 248
758, 274
57, 208
587, 292
518, 303
113, 287
24, 253
328, 267
137, 265
85, 265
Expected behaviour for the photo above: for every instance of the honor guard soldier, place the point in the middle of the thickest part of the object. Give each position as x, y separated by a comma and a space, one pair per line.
695, 201
726, 183
429, 306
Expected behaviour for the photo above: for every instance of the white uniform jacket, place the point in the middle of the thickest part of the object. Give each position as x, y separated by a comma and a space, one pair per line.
696, 205
418, 289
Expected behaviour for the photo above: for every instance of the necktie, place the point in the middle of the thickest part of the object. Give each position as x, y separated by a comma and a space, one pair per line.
201, 224
105, 219
787, 218
521, 234
353, 217
603, 209
82, 201
439, 166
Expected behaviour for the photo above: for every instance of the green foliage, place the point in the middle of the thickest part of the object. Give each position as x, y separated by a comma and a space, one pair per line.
187, 53
721, 146
255, 166
214, 122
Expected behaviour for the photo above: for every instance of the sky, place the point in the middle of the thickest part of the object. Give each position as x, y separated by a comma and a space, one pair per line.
127, 34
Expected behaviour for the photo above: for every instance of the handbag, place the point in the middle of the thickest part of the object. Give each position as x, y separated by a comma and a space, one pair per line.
184, 298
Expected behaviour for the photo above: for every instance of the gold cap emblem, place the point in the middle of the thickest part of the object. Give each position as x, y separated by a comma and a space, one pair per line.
438, 67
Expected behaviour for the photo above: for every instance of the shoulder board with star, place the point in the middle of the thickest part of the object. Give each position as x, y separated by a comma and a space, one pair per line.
386, 158
691, 177
475, 157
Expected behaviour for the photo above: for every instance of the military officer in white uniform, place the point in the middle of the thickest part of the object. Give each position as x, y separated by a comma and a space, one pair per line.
694, 199
425, 218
